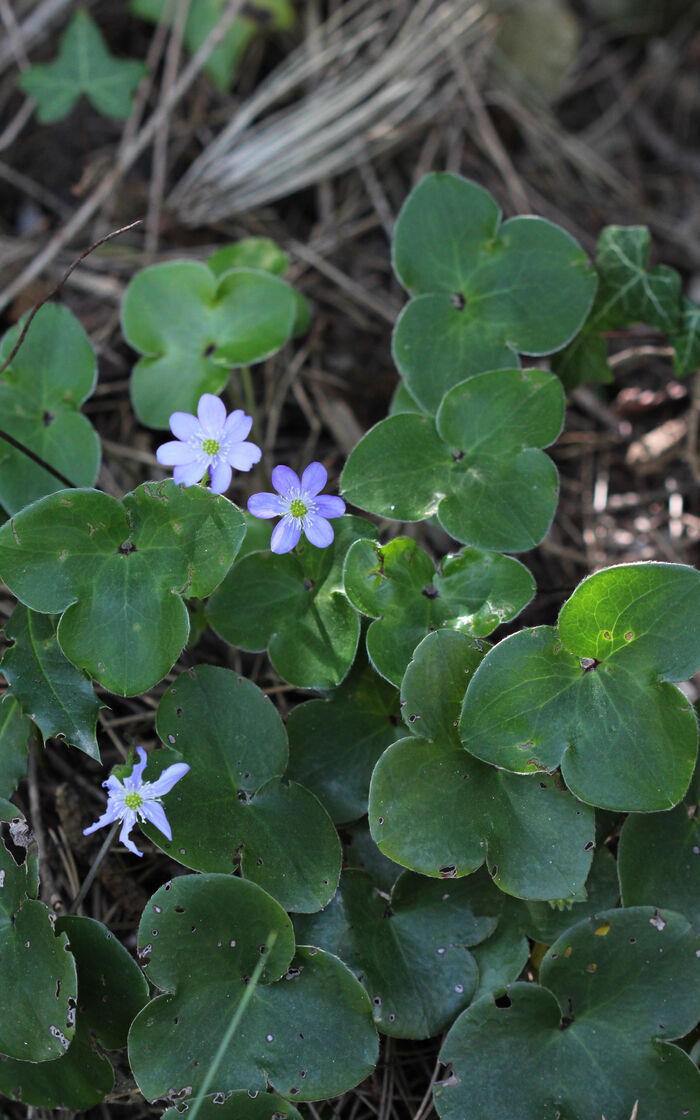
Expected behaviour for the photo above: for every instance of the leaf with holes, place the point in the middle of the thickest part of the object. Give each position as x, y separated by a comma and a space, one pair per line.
593, 696
307, 1031
15, 734
410, 952
360, 719
202, 18
398, 585
672, 878
83, 66
483, 292
116, 572
592, 1038
50, 690
37, 972
628, 292
238, 1106
52, 374
440, 812
479, 467
111, 990
233, 807
192, 327
294, 606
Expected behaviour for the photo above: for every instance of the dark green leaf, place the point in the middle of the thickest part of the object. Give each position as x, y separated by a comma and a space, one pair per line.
585, 1043
658, 858
117, 571
481, 468
15, 733
307, 1031
410, 951
397, 585
50, 690
37, 973
295, 606
628, 292
336, 742
686, 340
481, 286
546, 698
51, 375
232, 807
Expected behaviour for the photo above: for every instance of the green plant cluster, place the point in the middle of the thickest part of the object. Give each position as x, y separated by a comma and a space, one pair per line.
425, 845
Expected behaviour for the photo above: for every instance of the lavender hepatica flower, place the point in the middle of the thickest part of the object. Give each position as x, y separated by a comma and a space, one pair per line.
210, 441
301, 506
132, 800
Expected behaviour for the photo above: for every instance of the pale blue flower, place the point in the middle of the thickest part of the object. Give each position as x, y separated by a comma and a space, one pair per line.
301, 506
133, 800
210, 441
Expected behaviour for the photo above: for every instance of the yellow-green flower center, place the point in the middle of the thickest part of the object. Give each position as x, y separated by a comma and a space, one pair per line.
297, 508
133, 800
210, 446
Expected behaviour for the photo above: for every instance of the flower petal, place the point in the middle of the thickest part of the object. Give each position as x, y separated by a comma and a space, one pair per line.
266, 505
244, 455
318, 531
190, 473
285, 535
175, 454
167, 780
220, 474
110, 815
237, 426
284, 480
155, 813
128, 824
211, 412
185, 426
314, 479
329, 506
136, 774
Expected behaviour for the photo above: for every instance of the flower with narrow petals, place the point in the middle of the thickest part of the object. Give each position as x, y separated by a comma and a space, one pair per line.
134, 800
301, 506
210, 441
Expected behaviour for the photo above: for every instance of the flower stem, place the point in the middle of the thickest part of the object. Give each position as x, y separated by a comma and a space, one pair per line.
89, 878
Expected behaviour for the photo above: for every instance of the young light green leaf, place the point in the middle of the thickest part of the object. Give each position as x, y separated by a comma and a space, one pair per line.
307, 1031
295, 606
360, 718
590, 1040
50, 690
398, 585
117, 571
192, 327
593, 696
84, 65
51, 375
202, 17
480, 467
480, 286
410, 951
233, 808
